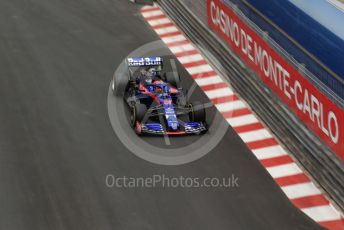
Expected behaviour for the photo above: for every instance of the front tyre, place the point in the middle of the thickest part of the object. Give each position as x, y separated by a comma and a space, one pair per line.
197, 112
137, 114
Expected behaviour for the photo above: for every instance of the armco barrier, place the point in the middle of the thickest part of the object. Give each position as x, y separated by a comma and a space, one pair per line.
316, 157
296, 53
315, 109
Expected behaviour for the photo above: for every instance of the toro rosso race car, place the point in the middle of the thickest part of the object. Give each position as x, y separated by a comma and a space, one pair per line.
157, 103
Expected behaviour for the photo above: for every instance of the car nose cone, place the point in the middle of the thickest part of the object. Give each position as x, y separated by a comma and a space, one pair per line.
174, 126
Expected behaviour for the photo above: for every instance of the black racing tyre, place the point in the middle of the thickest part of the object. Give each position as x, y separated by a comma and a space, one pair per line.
137, 113
119, 84
197, 113
172, 78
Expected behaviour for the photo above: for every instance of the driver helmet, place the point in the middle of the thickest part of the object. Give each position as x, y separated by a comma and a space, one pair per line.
151, 72
148, 80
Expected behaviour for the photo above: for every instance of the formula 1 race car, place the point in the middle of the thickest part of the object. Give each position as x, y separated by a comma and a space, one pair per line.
157, 103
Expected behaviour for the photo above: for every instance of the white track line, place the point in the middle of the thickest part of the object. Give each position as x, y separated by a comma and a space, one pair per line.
322, 213
230, 106
300, 190
199, 69
269, 152
208, 80
284, 170
166, 30
152, 13
217, 93
175, 38
182, 48
242, 120
159, 21
255, 135
190, 58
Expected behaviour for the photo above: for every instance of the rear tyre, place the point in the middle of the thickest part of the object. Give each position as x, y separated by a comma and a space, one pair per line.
119, 84
197, 113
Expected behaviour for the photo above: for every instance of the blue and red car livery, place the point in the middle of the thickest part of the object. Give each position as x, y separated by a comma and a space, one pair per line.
157, 103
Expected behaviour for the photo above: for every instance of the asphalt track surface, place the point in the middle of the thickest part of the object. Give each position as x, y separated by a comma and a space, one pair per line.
57, 58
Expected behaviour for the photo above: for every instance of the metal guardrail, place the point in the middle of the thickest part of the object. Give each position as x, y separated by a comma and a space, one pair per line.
315, 157
198, 8
335, 87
